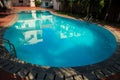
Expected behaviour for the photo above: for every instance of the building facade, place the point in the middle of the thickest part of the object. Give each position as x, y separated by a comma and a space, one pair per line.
47, 3
56, 5
23, 3
44, 3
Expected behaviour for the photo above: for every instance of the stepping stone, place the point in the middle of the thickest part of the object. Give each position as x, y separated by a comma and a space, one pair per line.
69, 77
2, 61
112, 70
8, 66
37, 69
4, 64
15, 69
59, 75
106, 72
41, 76
23, 72
89, 76
118, 62
78, 77
32, 74
99, 74
59, 78
117, 67
49, 76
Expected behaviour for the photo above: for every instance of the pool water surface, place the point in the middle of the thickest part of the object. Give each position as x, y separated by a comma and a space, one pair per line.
43, 38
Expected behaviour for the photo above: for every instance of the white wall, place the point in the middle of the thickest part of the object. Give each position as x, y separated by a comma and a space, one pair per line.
56, 5
32, 3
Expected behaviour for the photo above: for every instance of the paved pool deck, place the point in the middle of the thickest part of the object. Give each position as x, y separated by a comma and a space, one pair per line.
106, 70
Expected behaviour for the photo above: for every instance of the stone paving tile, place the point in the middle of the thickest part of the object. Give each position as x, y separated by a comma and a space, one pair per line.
78, 77
32, 75
50, 76
90, 75
4, 64
99, 74
15, 69
41, 75
69, 78
106, 72
23, 72
8, 67
113, 69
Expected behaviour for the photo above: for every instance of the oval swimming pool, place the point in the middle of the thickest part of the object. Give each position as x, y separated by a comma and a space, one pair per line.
45, 39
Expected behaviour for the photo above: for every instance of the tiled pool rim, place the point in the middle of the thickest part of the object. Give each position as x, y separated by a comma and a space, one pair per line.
100, 70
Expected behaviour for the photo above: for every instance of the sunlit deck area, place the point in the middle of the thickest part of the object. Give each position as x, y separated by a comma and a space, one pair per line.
20, 70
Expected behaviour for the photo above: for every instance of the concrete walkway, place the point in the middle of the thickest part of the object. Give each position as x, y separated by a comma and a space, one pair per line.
100, 71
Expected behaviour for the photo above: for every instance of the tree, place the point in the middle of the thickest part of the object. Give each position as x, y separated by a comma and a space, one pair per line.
3, 4
37, 3
71, 4
109, 4
64, 5
97, 9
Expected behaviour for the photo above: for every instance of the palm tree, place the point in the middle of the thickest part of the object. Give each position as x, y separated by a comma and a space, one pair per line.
71, 4
3, 4
109, 4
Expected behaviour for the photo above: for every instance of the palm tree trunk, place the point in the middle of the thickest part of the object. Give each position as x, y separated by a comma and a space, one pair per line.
108, 10
71, 5
1, 4
118, 19
4, 4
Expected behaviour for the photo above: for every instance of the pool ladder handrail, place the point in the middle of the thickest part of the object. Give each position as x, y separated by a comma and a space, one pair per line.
11, 46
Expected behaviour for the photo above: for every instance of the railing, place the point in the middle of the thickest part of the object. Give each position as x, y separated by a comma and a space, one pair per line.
11, 46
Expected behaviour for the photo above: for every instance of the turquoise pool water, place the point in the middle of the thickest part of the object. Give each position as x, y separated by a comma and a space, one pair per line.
45, 39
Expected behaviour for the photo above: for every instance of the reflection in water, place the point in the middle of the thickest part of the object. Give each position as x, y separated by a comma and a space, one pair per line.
32, 37
32, 27
45, 39
34, 14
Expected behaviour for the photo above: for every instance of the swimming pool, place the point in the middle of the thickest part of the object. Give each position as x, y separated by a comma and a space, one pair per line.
45, 39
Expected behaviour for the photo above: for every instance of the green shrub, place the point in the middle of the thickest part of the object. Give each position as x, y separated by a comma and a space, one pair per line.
37, 3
